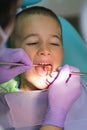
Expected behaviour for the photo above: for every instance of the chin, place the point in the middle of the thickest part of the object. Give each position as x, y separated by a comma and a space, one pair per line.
41, 86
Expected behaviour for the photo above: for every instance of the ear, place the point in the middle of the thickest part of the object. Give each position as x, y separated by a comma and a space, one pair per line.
75, 49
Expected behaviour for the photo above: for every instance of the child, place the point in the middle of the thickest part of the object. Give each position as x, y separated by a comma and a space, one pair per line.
38, 31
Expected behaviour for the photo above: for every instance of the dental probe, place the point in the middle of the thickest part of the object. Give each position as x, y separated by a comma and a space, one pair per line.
10, 63
20, 64
79, 73
43, 65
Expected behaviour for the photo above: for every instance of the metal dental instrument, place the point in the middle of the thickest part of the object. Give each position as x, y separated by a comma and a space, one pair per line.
20, 64
43, 65
79, 73
11, 63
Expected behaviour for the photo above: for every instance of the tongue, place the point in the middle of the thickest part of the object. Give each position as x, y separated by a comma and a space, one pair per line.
43, 70
40, 70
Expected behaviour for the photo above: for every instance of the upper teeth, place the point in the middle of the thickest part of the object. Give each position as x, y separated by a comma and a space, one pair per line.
43, 64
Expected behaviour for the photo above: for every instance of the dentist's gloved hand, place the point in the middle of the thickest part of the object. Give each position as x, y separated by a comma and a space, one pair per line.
8, 72
62, 93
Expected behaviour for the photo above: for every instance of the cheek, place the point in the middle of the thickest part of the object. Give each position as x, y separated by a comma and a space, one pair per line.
59, 55
28, 75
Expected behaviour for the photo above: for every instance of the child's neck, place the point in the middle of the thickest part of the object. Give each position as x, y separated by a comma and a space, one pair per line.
27, 86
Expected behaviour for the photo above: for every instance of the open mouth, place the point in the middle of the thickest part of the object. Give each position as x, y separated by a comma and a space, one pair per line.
43, 69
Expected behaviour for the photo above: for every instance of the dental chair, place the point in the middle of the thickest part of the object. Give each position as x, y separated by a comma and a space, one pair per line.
29, 2
75, 49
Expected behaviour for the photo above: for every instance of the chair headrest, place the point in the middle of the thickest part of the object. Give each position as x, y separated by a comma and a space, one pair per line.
75, 49
29, 2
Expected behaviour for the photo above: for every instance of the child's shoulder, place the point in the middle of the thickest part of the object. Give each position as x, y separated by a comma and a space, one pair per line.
10, 86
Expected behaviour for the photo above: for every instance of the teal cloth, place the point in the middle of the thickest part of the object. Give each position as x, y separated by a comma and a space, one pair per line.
75, 49
26, 3
29, 2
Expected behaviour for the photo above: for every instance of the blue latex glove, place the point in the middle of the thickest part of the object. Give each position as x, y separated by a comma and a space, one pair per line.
8, 72
62, 93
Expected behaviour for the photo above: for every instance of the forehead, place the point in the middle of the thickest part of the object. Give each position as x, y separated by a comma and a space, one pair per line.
36, 21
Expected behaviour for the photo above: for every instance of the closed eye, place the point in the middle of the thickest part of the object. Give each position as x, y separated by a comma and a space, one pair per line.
33, 43
55, 44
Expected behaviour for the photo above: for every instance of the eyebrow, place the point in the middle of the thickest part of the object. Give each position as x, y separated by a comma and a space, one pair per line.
34, 34
56, 36
30, 35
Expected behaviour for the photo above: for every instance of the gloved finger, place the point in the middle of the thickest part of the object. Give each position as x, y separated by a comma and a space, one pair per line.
53, 75
74, 77
51, 78
21, 56
74, 69
64, 73
13, 73
61, 75
16, 55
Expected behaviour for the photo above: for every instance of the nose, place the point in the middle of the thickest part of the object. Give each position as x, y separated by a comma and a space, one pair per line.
44, 50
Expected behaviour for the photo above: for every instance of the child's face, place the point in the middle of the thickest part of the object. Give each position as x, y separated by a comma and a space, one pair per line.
41, 39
